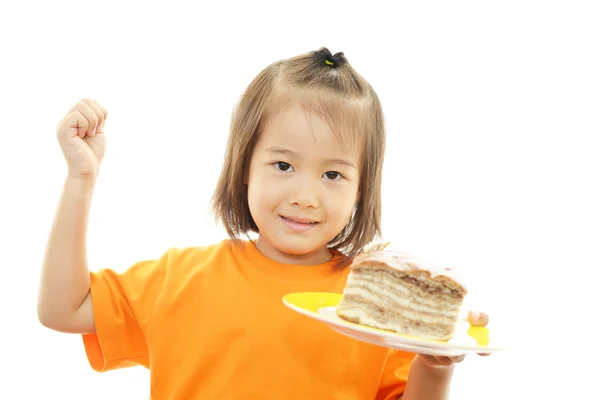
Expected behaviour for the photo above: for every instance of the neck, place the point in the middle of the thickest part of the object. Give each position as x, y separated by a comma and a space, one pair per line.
316, 257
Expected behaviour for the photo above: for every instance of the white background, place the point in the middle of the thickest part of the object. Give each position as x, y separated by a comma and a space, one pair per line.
492, 111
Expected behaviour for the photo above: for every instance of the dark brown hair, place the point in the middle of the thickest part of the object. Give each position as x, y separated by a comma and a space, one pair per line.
325, 84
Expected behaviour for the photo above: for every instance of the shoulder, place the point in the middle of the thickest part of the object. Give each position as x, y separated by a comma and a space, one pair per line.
180, 259
176, 260
200, 252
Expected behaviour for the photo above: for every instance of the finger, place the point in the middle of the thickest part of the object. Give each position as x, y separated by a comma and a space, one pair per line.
90, 116
447, 361
98, 116
77, 119
102, 108
478, 318
93, 104
104, 113
75, 122
457, 359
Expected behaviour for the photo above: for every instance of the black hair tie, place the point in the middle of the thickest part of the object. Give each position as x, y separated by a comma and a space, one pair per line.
334, 61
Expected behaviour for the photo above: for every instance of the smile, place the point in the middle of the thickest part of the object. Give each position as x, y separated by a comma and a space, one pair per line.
298, 224
299, 220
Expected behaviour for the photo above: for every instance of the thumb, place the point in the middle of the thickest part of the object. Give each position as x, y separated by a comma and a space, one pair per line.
478, 318
74, 124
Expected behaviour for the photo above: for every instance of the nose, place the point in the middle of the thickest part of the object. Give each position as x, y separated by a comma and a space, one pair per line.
305, 194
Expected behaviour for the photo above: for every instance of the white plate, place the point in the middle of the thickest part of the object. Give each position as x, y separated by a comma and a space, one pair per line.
396, 341
322, 306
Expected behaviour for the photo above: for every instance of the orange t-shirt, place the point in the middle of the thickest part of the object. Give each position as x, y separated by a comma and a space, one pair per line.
209, 323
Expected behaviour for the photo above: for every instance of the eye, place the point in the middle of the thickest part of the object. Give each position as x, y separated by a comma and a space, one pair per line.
282, 166
333, 175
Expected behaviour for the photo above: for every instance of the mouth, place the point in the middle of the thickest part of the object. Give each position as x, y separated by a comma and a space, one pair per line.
298, 225
304, 221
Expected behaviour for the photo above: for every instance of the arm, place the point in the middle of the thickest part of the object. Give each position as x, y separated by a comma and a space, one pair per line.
428, 382
64, 303
430, 376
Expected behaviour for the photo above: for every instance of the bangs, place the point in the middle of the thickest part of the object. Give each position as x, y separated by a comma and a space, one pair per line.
348, 119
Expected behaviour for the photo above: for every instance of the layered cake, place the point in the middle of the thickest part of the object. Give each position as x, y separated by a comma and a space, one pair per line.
397, 292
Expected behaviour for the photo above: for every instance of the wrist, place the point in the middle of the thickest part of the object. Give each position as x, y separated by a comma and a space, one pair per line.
87, 180
428, 379
427, 364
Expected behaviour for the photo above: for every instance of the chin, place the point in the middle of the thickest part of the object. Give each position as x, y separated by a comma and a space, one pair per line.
296, 245
296, 248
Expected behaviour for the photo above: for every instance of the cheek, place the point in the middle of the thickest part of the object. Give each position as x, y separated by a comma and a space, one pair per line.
261, 194
341, 205
254, 195
253, 186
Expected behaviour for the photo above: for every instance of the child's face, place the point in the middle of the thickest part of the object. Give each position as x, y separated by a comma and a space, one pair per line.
302, 187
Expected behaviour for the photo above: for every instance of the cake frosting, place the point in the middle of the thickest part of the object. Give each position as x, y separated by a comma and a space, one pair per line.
401, 261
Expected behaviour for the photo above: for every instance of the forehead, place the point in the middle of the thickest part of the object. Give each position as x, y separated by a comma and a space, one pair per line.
306, 132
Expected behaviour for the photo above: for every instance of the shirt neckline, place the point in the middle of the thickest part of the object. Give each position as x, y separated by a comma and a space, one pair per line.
290, 272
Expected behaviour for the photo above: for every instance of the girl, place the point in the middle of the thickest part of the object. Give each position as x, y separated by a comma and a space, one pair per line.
303, 170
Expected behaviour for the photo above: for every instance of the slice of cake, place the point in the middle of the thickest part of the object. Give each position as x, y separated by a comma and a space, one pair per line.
397, 292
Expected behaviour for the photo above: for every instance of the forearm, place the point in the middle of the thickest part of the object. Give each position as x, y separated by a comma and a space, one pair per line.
65, 281
427, 383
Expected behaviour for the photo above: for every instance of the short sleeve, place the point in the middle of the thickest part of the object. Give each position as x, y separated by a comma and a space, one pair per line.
123, 304
395, 375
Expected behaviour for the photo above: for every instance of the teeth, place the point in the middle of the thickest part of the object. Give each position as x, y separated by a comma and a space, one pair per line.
298, 222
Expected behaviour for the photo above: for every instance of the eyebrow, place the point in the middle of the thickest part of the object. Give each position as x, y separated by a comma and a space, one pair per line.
287, 152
